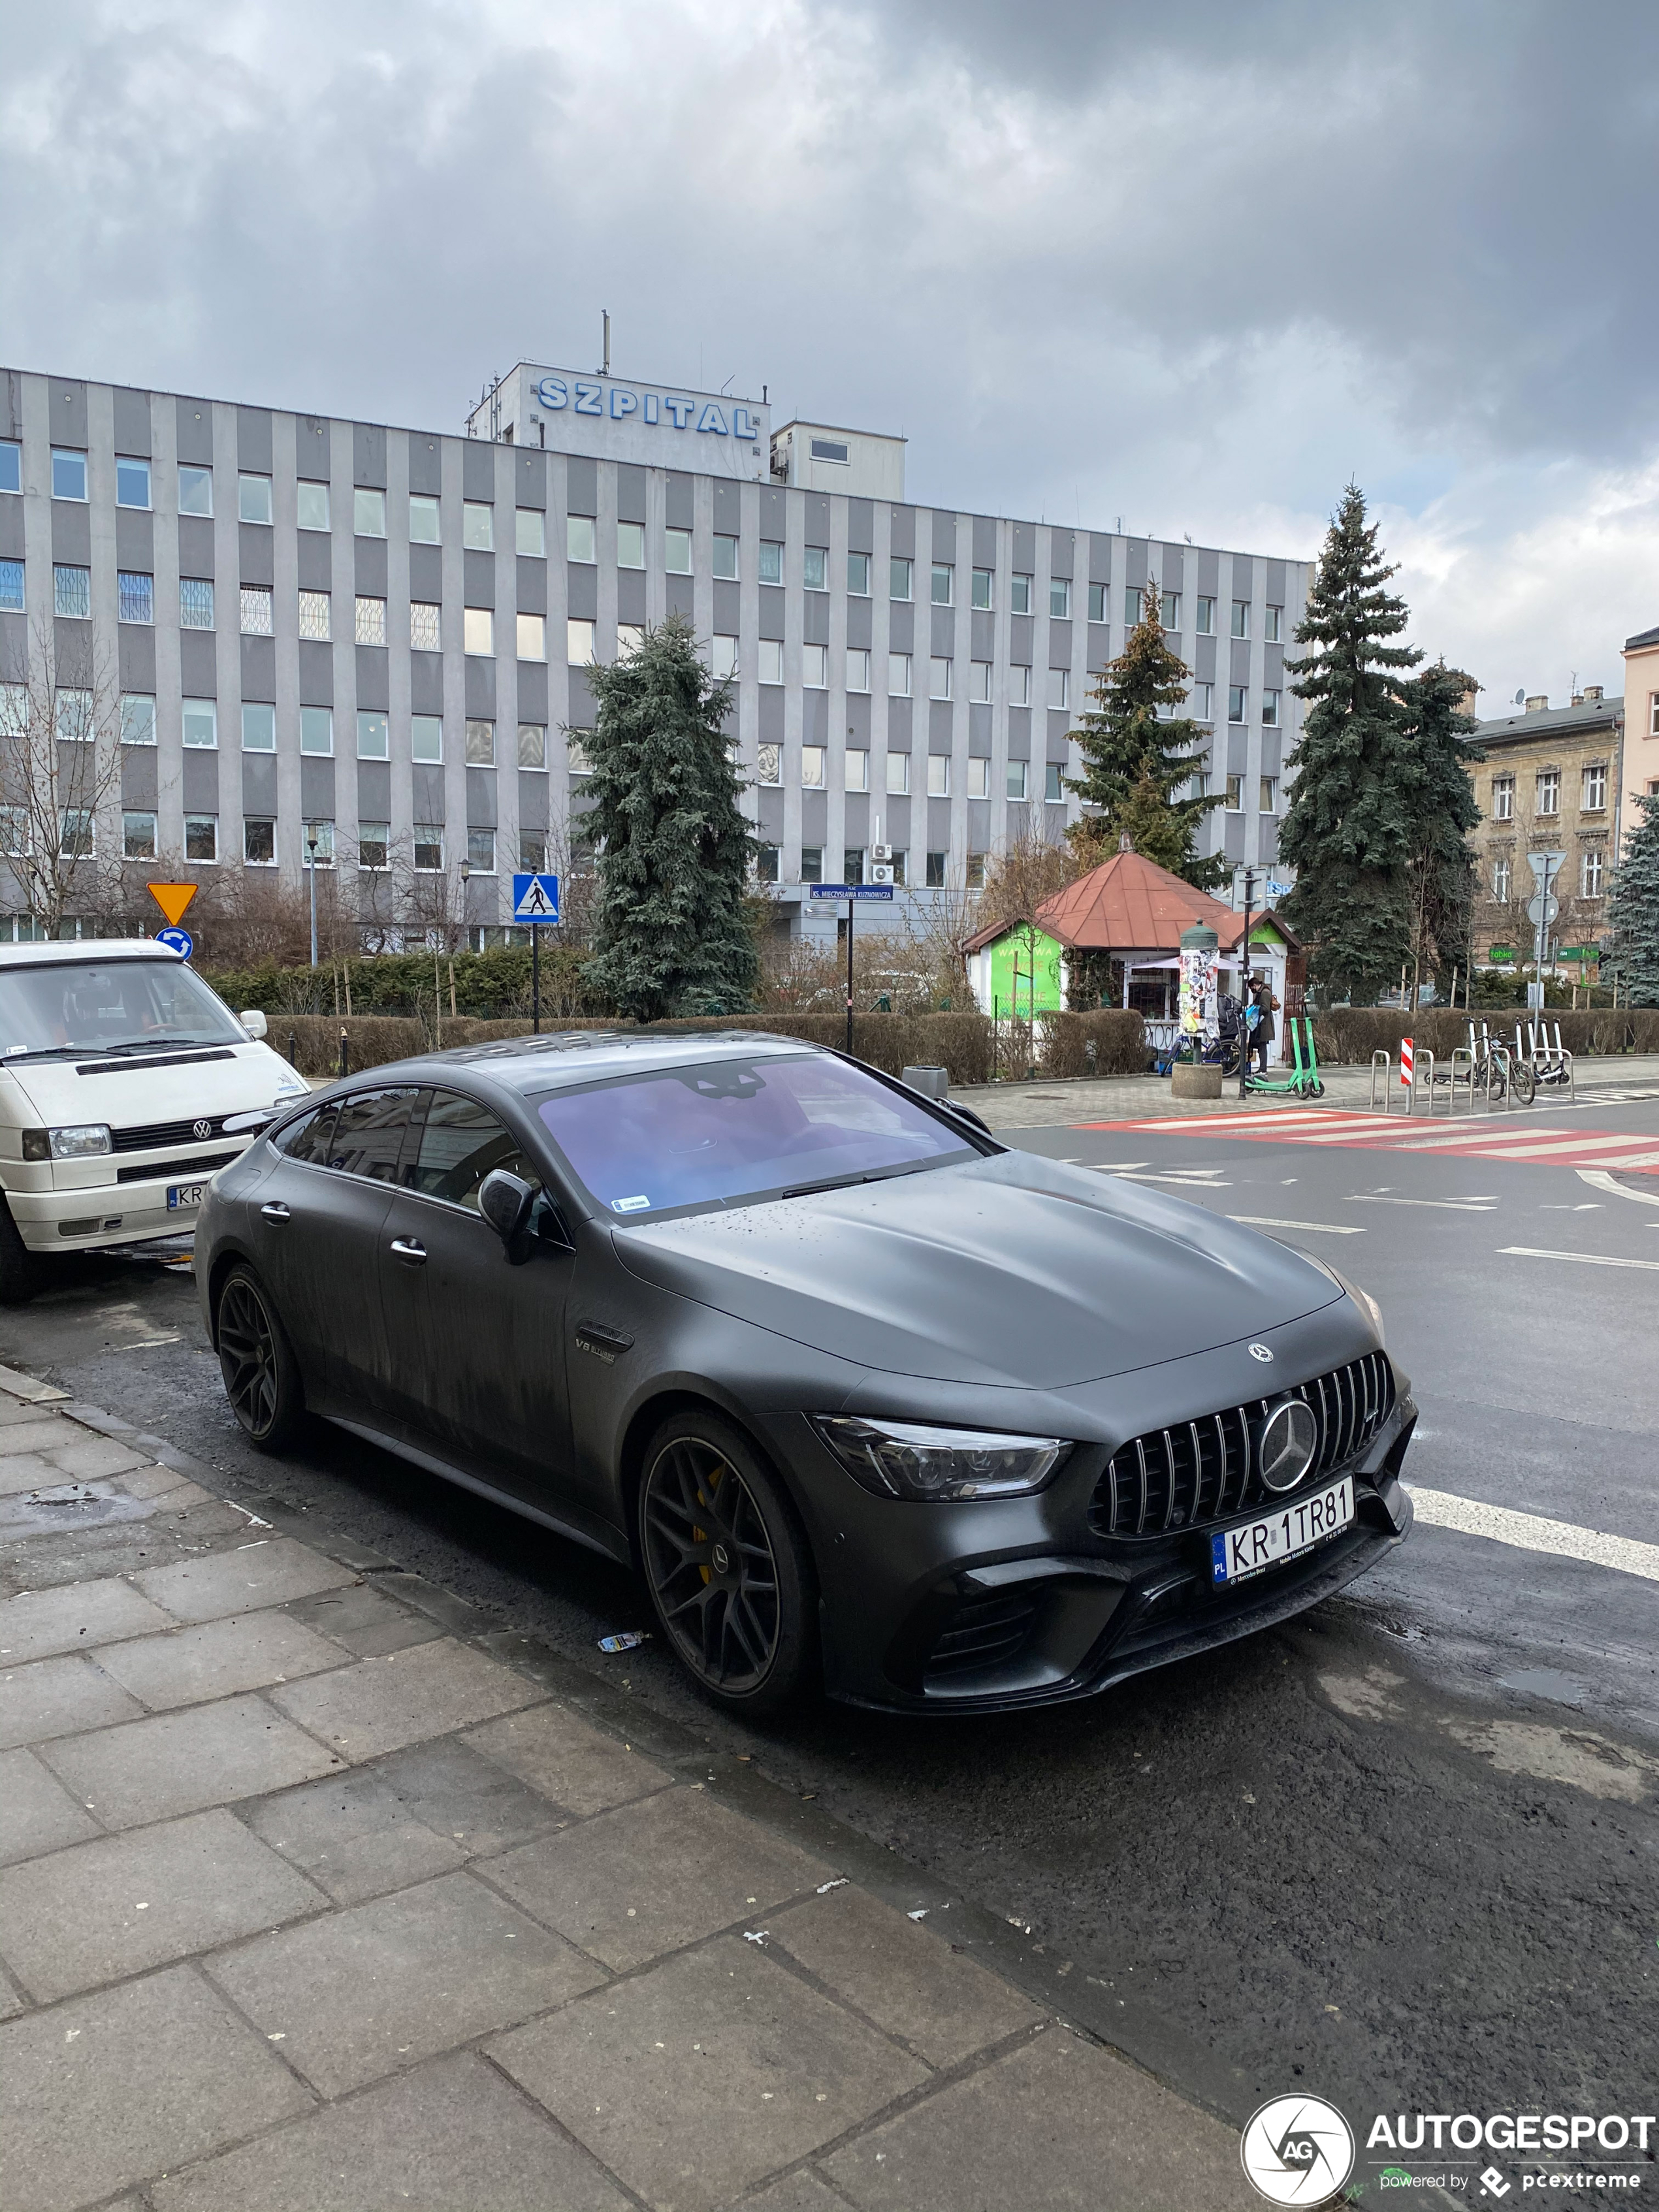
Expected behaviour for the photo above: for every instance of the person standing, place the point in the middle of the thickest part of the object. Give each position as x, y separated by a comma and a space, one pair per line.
1263, 1031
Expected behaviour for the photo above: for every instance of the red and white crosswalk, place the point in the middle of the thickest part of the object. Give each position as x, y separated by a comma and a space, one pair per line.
1589, 1148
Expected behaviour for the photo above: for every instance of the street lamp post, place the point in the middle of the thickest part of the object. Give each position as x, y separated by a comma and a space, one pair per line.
310, 847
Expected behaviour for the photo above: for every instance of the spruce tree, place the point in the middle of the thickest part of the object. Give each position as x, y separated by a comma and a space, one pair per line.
1349, 828
1441, 869
1135, 760
673, 933
1633, 907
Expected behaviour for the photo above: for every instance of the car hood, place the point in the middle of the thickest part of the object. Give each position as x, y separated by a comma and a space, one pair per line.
162, 1087
1009, 1270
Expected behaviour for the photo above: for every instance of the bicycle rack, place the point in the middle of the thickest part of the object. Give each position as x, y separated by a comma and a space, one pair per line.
1552, 1063
1422, 1078
1450, 1080
1385, 1061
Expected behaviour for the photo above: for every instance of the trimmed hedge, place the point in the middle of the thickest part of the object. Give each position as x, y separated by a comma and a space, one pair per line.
1119, 1039
1350, 1034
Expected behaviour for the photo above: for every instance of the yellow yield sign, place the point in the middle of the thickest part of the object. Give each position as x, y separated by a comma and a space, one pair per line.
172, 899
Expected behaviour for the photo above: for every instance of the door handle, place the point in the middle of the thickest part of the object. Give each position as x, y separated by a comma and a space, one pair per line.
274, 1210
410, 1250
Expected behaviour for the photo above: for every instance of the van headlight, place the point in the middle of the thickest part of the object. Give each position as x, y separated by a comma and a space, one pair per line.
913, 1460
84, 1141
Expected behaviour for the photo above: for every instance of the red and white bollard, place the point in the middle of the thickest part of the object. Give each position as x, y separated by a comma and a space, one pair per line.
1405, 1061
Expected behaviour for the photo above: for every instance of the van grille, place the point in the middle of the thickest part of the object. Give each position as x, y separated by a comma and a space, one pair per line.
154, 1134
196, 1170
1199, 1471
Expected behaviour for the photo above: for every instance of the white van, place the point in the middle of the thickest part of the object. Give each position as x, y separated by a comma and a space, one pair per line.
119, 1068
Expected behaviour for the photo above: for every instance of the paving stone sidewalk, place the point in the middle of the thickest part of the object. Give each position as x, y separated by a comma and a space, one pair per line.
307, 1904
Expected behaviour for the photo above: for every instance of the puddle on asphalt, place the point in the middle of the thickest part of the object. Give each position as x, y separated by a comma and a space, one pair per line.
1545, 1682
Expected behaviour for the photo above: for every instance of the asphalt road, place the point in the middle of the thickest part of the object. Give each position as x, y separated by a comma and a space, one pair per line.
1402, 1853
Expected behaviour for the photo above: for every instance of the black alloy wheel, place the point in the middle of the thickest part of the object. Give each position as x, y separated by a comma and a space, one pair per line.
726, 1565
262, 1379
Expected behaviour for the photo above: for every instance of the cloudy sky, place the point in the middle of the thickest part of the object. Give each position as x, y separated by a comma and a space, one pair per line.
1193, 264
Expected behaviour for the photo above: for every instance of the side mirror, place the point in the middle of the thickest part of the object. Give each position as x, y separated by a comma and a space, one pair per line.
254, 1022
505, 1201
257, 1118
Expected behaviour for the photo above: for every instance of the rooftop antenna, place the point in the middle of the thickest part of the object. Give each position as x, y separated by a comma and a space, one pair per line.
1520, 697
1188, 535
606, 367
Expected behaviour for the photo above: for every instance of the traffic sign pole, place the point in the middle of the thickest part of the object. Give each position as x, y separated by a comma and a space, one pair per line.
536, 901
535, 983
850, 909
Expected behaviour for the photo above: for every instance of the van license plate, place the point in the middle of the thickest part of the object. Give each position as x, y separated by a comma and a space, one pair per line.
1253, 1546
186, 1197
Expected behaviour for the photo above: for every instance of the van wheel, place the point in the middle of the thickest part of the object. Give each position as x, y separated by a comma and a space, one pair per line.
20, 1271
262, 1376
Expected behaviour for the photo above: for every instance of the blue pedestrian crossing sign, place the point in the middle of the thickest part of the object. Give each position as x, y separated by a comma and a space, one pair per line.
535, 898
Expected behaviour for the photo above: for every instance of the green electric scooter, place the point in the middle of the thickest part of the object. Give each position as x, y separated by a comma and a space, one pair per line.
1302, 1081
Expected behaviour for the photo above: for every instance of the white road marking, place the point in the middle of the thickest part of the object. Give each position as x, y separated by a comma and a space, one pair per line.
1193, 1181
1598, 1179
1531, 1532
1325, 1228
1589, 1259
1451, 1205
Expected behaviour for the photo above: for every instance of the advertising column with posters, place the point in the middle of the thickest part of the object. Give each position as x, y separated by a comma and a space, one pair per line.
1199, 972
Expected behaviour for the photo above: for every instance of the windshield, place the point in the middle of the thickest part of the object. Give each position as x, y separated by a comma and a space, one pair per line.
96, 1005
736, 1130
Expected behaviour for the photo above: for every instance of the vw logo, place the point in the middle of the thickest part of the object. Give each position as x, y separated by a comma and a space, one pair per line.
199, 1129
1284, 1450
1260, 1352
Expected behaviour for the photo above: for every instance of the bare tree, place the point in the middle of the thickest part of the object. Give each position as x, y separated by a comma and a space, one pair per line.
60, 780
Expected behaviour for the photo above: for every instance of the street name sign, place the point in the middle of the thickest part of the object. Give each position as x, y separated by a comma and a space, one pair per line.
850, 890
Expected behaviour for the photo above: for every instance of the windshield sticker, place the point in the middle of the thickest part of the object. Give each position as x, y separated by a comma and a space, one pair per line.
628, 1205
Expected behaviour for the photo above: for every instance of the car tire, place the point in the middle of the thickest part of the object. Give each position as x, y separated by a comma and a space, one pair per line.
262, 1376
20, 1270
728, 1567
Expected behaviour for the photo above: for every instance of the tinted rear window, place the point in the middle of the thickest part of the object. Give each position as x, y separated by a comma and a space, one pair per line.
736, 1130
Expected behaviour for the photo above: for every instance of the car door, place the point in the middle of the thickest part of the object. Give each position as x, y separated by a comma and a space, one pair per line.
475, 1344
321, 1211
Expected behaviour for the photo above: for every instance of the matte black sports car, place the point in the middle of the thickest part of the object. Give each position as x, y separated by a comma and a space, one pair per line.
863, 1393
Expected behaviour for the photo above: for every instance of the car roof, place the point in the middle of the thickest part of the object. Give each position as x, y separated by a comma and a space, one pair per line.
86, 948
565, 1058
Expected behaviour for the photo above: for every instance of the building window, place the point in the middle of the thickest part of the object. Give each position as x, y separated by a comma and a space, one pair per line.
1274, 625
677, 552
1171, 611
255, 603
726, 558
374, 736
898, 577
131, 483
1053, 790
979, 777
533, 851
425, 626
253, 499
373, 846
898, 675
1059, 688
137, 836
1500, 881
1019, 684
11, 587
771, 561
815, 666
768, 764
975, 872
321, 834
1203, 701
575, 752
1016, 779
812, 768
944, 586
71, 594
851, 864
1591, 862
533, 637
258, 727
1549, 791
858, 576
1653, 717
981, 589
317, 730
199, 724
134, 596
1503, 798
479, 526
259, 841
768, 862
478, 630
630, 541
72, 716
194, 491
722, 656
426, 738
1594, 799
630, 636
1269, 795
481, 852
1133, 604
533, 745
811, 863
1270, 710
770, 660
858, 668
933, 871
1059, 598
425, 520
1241, 618
979, 682
137, 719
430, 848
480, 745
1019, 594
578, 540
857, 767
202, 839
898, 774
11, 465
1097, 602
69, 476
77, 833
530, 532
195, 602
314, 615
939, 678
1205, 622
311, 506
938, 775
368, 512
814, 567
1235, 697
1235, 794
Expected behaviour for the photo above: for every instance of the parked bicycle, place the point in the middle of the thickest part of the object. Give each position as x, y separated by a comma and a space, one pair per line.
1500, 1073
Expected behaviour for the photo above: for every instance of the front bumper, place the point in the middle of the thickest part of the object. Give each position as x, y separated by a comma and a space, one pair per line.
96, 1214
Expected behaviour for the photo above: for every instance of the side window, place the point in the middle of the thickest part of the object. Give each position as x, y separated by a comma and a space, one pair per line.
369, 1132
461, 1143
308, 1138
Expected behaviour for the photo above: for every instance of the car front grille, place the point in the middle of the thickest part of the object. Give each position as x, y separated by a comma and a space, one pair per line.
983, 1631
196, 1170
152, 1135
1199, 1471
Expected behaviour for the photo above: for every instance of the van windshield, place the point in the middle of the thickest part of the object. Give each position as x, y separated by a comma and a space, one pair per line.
108, 1005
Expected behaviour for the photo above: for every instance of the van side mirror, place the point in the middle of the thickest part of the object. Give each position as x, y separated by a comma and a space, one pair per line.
505, 1201
254, 1022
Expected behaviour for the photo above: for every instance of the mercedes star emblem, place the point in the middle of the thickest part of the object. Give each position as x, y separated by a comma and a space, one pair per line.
1284, 1450
1260, 1352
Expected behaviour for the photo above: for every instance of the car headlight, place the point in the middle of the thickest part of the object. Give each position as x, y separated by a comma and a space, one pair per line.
1363, 1299
910, 1460
82, 1142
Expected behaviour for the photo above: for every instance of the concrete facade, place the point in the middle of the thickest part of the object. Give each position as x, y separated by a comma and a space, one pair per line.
410, 627
1641, 774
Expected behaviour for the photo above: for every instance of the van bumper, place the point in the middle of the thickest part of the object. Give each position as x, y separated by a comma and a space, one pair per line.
105, 1214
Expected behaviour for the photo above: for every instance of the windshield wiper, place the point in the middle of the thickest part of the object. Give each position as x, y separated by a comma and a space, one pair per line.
43, 1052
144, 1044
830, 1182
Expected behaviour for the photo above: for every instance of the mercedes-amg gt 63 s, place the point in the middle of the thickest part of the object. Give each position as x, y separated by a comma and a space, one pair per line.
866, 1398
